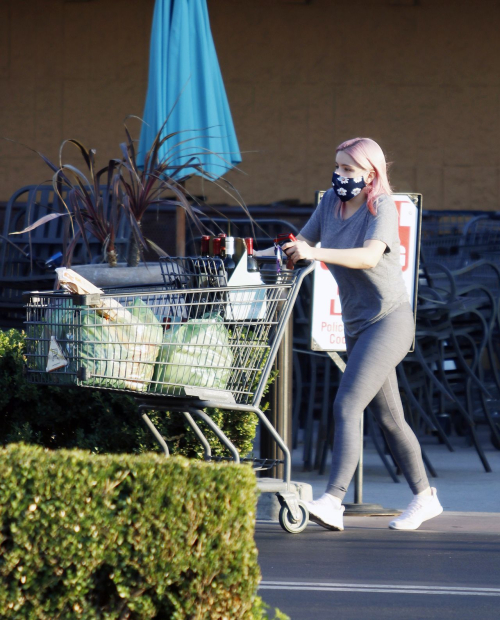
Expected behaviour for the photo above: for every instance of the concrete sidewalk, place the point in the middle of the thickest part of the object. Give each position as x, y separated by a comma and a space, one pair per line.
448, 522
462, 484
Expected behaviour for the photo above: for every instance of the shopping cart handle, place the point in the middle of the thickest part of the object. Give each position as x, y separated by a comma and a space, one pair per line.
271, 260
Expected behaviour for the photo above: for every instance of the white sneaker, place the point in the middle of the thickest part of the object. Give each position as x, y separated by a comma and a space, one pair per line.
325, 511
420, 509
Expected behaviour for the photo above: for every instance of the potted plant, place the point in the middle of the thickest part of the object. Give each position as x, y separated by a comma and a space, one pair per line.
98, 200
86, 202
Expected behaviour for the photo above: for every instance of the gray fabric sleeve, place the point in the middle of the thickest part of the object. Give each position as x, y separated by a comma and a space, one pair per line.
384, 225
312, 230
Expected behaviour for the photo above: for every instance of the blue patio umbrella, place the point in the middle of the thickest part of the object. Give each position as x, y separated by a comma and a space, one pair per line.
185, 85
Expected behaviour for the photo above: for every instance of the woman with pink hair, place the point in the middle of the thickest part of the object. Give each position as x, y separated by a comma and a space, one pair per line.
357, 225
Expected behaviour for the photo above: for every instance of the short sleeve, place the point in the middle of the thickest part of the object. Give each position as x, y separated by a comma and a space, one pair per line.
312, 230
384, 226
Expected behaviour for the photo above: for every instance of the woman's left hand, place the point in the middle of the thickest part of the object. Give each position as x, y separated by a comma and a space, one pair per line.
298, 250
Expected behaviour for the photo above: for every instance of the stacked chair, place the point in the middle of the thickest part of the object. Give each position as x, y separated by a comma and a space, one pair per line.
27, 260
458, 328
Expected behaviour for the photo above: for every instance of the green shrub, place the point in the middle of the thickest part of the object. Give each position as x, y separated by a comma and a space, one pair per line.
125, 537
97, 420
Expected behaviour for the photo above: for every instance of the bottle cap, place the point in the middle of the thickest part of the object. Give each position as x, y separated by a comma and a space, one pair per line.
205, 244
249, 244
216, 246
230, 245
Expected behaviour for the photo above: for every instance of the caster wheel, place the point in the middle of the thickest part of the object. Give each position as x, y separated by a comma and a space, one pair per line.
287, 523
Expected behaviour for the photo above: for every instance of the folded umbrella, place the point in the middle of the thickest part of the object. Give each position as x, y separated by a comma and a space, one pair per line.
185, 86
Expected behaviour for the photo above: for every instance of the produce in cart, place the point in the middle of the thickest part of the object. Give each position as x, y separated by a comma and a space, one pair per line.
116, 346
196, 353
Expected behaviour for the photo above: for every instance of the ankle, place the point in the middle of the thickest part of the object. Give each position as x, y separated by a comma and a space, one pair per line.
425, 493
336, 501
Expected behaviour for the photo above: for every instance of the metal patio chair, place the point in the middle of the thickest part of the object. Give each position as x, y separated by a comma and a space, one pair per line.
25, 259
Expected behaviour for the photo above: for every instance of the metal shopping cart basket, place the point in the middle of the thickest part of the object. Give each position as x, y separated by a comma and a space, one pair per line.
184, 345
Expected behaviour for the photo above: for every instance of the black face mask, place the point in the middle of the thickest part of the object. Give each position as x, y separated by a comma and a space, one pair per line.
345, 187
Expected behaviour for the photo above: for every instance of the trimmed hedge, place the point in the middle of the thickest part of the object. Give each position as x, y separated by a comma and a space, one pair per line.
97, 420
126, 537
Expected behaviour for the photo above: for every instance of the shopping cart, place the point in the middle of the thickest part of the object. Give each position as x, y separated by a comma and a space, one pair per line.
187, 345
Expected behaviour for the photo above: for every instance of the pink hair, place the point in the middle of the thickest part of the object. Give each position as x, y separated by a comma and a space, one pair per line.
368, 155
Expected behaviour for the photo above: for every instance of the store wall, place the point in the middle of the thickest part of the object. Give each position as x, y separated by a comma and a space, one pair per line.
421, 77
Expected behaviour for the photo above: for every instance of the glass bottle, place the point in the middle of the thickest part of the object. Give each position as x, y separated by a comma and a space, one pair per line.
251, 261
227, 255
218, 278
205, 245
222, 238
216, 247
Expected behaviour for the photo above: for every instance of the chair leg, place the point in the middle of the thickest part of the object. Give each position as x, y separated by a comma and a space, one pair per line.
429, 419
324, 414
428, 464
328, 444
297, 384
469, 422
309, 425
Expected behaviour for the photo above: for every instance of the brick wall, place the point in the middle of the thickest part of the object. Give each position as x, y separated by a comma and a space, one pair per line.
422, 78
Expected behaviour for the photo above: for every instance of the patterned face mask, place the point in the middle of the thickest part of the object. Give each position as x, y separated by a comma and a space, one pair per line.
345, 187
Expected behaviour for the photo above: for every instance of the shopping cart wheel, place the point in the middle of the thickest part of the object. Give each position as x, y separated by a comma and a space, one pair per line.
289, 524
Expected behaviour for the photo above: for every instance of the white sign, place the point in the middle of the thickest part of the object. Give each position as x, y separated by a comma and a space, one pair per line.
246, 304
327, 327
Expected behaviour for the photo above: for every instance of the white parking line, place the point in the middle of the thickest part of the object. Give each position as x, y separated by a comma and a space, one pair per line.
363, 587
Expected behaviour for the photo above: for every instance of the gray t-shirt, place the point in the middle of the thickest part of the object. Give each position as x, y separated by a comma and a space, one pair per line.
366, 295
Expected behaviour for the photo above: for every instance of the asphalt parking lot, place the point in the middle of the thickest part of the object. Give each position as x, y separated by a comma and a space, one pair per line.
450, 568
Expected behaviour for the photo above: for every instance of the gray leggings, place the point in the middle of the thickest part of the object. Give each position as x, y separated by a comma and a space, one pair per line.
370, 379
